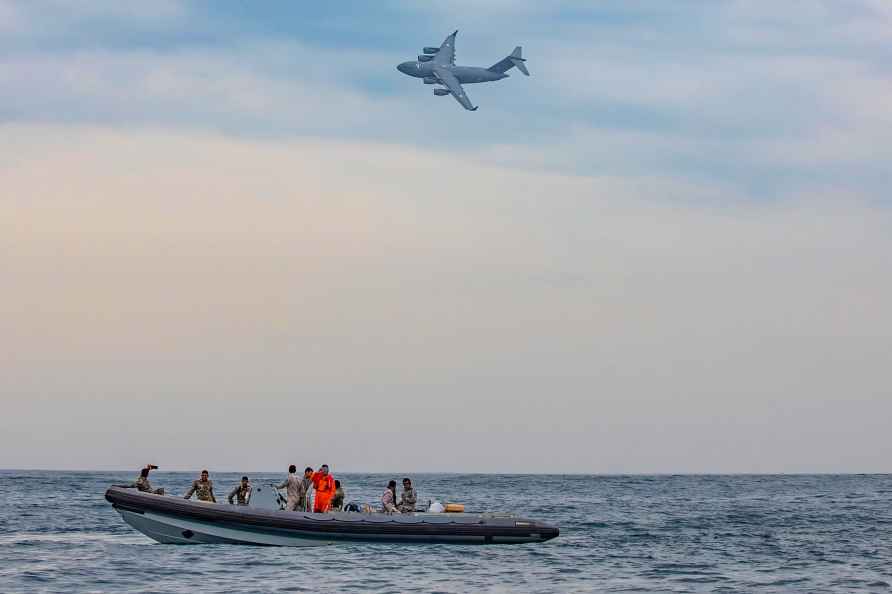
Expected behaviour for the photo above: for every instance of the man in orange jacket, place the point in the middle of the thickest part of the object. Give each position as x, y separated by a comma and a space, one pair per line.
324, 485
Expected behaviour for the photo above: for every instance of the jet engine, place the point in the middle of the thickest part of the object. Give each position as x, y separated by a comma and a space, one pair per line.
431, 50
424, 58
430, 80
441, 92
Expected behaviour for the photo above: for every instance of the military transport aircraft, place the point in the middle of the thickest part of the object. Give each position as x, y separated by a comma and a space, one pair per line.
437, 66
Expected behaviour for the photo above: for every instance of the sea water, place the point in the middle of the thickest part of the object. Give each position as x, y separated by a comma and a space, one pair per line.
618, 533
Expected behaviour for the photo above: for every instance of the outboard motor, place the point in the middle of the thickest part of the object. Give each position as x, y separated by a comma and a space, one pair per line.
266, 497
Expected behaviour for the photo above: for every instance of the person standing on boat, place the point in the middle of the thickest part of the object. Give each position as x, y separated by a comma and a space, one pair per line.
409, 497
323, 485
142, 484
388, 499
202, 488
294, 490
306, 504
241, 492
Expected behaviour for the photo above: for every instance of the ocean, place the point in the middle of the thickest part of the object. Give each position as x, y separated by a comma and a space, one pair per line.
789, 533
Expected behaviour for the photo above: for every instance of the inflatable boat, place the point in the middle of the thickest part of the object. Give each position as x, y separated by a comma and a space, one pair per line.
174, 520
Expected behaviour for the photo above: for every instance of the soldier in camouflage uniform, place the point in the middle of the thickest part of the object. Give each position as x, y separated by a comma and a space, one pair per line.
337, 501
241, 492
203, 488
409, 497
142, 483
306, 504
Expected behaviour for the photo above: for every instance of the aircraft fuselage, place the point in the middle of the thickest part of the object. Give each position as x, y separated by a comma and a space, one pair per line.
464, 74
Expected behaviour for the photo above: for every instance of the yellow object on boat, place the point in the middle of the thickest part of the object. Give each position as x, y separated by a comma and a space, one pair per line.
455, 508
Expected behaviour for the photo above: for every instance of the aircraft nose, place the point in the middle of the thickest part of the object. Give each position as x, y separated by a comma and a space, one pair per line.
404, 67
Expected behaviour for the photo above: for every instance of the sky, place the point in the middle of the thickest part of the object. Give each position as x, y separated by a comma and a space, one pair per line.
233, 236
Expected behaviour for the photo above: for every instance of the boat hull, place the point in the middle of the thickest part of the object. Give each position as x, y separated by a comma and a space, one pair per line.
174, 520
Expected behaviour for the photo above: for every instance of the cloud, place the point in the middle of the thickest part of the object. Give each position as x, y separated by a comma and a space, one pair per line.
53, 18
10, 19
861, 28
47, 27
721, 93
186, 88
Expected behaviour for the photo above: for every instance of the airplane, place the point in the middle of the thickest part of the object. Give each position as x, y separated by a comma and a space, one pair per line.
436, 65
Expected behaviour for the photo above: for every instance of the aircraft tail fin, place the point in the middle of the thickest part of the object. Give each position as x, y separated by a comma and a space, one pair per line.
514, 59
518, 61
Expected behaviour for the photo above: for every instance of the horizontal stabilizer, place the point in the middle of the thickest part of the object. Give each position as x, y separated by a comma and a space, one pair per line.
519, 63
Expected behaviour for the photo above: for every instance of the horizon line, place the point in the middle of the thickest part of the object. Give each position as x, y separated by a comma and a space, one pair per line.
487, 473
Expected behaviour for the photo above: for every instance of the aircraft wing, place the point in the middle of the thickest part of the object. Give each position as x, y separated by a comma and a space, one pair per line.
446, 55
451, 83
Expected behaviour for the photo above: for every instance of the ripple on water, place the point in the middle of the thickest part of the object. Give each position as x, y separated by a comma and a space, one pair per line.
70, 538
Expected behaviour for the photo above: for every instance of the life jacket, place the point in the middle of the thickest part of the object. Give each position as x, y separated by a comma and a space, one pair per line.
324, 485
